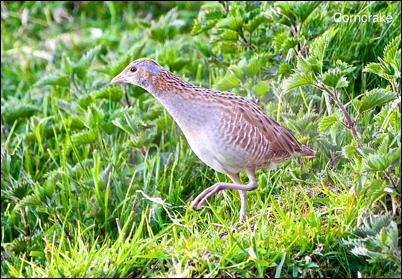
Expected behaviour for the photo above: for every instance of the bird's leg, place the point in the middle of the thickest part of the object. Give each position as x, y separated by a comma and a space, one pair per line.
243, 199
207, 193
243, 196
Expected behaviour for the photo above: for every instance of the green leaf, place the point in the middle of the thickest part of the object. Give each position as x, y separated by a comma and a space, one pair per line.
90, 55
30, 200
205, 49
297, 80
254, 65
202, 26
19, 191
167, 26
94, 116
10, 113
261, 88
255, 22
325, 123
240, 69
374, 68
385, 70
84, 138
377, 163
349, 151
331, 78
297, 12
380, 162
85, 101
279, 40
343, 82
390, 50
207, 21
226, 83
59, 80
284, 68
213, 15
318, 49
115, 67
334, 78
229, 35
74, 122
343, 67
228, 47
375, 97
308, 65
290, 43
112, 93
233, 23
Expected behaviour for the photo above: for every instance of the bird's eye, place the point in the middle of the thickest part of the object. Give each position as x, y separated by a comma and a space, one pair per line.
133, 69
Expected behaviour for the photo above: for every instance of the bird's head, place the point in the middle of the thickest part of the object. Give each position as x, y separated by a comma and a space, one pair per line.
139, 72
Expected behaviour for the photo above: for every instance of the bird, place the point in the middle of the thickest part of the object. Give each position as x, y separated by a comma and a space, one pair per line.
226, 131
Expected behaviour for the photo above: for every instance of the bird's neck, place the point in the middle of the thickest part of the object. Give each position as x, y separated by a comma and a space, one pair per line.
188, 104
166, 83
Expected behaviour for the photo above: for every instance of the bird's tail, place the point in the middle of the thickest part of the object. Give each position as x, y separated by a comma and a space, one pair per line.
307, 151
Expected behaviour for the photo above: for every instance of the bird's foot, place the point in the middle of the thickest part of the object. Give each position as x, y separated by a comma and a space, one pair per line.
207, 193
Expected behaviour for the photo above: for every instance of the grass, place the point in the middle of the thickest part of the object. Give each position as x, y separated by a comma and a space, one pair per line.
207, 242
96, 180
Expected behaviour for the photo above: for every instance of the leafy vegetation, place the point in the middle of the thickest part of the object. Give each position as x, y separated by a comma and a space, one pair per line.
96, 179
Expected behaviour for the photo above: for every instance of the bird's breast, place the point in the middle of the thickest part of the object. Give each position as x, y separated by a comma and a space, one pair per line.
190, 115
201, 123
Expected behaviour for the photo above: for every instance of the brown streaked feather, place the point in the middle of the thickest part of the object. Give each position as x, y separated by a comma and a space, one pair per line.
246, 125
260, 135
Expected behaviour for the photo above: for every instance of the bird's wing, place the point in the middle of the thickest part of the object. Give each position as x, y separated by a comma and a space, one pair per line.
253, 130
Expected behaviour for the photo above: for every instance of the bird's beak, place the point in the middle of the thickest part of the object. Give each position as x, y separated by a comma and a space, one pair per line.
118, 79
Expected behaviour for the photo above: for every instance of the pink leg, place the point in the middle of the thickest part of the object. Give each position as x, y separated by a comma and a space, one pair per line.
243, 199
243, 196
207, 193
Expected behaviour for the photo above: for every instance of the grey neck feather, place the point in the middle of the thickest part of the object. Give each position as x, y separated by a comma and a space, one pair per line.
187, 113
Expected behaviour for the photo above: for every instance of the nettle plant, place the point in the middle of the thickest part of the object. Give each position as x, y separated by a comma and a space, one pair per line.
372, 144
376, 239
367, 128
